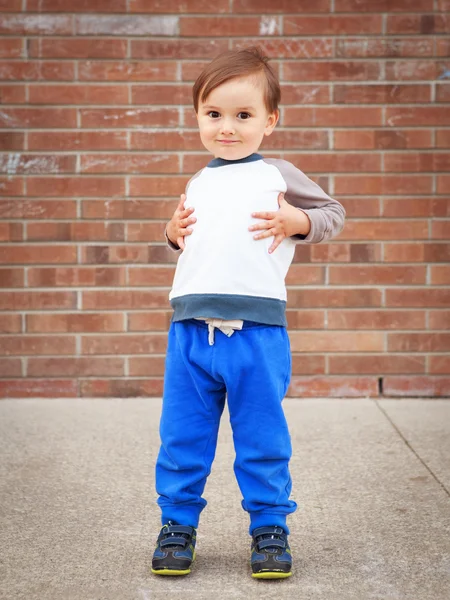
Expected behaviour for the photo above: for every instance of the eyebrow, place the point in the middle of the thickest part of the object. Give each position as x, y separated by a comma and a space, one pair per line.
238, 108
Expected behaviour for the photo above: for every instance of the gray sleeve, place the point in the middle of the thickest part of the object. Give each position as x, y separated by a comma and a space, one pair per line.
326, 214
173, 246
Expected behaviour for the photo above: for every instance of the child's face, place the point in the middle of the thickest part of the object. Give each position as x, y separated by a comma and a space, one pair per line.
234, 119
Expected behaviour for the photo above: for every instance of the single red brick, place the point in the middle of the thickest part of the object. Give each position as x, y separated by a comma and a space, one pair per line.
77, 140
404, 252
308, 364
427, 297
149, 321
333, 25
161, 94
383, 184
75, 322
38, 209
127, 71
376, 364
78, 94
376, 319
154, 343
382, 6
10, 323
175, 6
31, 118
333, 387
11, 47
37, 70
280, 6
76, 276
440, 274
38, 388
421, 386
46, 254
12, 94
338, 116
123, 299
305, 319
426, 115
151, 276
337, 341
128, 388
22, 24
377, 275
25, 345
382, 94
76, 48
384, 47
76, 186
146, 366
330, 70
110, 6
10, 367
186, 48
129, 117
439, 365
417, 23
289, 47
76, 366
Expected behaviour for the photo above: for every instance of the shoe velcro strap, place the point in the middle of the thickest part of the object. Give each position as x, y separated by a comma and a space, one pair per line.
271, 542
173, 541
179, 529
268, 530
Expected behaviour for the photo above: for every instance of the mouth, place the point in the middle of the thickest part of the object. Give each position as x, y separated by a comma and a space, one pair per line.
227, 141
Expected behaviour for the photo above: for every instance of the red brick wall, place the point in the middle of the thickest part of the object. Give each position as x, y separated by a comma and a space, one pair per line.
98, 140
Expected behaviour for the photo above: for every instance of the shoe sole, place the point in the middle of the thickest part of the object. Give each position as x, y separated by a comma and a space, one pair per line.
173, 572
271, 575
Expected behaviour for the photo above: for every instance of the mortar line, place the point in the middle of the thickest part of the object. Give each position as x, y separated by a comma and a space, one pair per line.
416, 454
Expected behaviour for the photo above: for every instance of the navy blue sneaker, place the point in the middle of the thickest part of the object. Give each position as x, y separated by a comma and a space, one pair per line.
271, 555
175, 549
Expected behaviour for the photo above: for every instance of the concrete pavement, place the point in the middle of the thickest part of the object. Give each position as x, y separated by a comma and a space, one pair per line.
78, 513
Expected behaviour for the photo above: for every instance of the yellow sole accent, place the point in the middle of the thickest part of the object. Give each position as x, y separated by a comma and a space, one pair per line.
170, 572
271, 575
173, 572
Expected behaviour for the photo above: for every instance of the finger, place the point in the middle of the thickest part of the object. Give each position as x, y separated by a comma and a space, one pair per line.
261, 225
276, 242
269, 233
180, 243
186, 212
181, 202
280, 198
263, 215
186, 222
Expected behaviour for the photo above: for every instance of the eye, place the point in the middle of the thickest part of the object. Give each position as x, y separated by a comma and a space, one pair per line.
247, 116
213, 114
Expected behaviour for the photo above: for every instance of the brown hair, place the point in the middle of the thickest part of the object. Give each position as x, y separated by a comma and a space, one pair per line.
233, 64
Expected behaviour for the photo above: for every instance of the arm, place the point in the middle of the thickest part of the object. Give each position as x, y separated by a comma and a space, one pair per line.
177, 228
326, 215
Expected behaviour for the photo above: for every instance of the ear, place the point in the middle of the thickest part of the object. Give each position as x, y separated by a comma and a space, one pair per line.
272, 120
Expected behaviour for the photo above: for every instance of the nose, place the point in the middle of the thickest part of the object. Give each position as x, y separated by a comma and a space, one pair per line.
227, 127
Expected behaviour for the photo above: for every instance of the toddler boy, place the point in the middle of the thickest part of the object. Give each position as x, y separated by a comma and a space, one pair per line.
228, 332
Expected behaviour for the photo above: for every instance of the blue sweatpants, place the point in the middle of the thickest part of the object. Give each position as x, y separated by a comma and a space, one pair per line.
253, 369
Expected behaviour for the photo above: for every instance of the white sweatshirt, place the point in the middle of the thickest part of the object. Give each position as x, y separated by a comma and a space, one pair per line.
223, 272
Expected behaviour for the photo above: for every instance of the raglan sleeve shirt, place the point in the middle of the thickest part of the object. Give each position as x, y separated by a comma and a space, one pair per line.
326, 215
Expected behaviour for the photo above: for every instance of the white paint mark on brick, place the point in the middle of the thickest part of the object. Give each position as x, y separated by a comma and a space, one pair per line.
268, 26
127, 25
12, 162
35, 24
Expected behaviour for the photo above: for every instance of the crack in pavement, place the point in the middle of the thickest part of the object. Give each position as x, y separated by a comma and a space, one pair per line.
435, 477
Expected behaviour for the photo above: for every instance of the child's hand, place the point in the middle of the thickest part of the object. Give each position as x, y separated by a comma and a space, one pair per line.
284, 223
177, 227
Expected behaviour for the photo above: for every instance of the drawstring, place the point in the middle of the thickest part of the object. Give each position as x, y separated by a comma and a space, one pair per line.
226, 327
